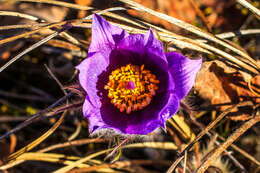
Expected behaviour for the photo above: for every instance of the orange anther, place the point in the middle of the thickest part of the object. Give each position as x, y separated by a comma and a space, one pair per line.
128, 110
131, 87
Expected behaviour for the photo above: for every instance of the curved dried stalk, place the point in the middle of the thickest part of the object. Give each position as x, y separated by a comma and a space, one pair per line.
71, 143
66, 160
28, 50
76, 133
238, 33
47, 157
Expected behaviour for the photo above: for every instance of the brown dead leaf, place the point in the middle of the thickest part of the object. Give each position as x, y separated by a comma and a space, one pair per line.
223, 86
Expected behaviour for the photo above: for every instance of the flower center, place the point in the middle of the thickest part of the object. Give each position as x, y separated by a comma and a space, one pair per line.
131, 87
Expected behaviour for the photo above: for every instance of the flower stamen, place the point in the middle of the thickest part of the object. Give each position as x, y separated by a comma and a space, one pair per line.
131, 87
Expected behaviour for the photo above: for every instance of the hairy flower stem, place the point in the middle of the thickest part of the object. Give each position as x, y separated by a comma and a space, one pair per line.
116, 148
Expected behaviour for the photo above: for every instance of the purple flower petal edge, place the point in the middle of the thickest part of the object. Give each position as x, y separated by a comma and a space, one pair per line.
183, 71
104, 35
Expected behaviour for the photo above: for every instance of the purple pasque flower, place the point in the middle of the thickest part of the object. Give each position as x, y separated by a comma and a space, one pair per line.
131, 85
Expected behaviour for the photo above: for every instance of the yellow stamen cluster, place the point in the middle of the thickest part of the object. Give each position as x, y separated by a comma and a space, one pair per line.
131, 87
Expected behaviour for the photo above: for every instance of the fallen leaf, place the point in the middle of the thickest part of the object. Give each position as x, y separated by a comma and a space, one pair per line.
223, 86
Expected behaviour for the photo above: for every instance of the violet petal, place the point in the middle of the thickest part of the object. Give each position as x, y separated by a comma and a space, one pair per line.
90, 69
104, 35
183, 71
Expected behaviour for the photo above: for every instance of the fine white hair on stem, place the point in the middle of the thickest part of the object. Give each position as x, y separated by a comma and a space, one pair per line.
109, 133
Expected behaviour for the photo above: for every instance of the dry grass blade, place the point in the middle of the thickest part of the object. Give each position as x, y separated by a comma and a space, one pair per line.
179, 124
48, 157
185, 162
127, 19
250, 7
54, 158
228, 56
159, 145
164, 34
61, 158
175, 164
119, 165
39, 43
43, 25
59, 3
239, 33
76, 133
38, 140
239, 62
23, 35
53, 147
37, 156
22, 26
22, 15
234, 136
192, 29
